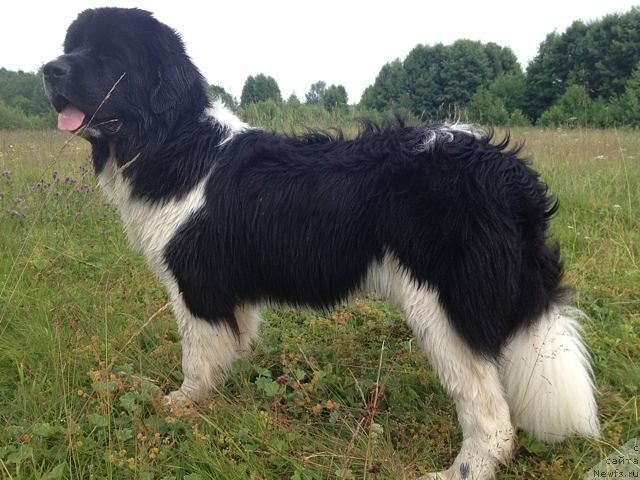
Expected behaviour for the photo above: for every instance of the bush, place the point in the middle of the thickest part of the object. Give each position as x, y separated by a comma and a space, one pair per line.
553, 117
519, 119
13, 118
574, 108
484, 107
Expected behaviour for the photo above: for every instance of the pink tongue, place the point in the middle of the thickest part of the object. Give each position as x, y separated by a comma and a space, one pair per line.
70, 119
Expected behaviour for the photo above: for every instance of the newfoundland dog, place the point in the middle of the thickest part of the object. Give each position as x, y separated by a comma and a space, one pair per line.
444, 223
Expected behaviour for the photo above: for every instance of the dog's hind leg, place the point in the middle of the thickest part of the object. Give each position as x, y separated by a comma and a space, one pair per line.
209, 349
248, 319
472, 381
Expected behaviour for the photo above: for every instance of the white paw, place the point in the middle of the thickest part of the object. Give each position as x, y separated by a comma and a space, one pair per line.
443, 475
178, 399
461, 472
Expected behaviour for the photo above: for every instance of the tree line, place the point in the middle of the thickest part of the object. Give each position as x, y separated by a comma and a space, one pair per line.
23, 103
588, 75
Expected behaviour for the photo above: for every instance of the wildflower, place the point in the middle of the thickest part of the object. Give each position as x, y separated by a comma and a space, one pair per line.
6, 174
331, 405
375, 431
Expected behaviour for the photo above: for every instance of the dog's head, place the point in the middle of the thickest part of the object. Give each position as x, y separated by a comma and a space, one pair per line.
122, 73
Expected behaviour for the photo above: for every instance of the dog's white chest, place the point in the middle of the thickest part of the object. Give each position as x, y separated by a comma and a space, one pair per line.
149, 225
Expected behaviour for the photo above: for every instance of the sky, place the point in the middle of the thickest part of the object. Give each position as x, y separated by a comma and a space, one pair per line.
300, 42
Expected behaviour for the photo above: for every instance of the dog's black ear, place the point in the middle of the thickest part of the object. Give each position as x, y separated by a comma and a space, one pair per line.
179, 83
177, 77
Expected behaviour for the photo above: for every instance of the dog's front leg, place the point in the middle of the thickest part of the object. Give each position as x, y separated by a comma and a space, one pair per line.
208, 351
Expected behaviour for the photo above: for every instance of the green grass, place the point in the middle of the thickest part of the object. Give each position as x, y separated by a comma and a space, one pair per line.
86, 349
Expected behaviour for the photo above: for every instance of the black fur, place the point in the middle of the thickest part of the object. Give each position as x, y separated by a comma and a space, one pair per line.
301, 219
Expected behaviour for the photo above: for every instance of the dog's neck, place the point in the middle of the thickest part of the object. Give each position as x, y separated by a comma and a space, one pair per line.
157, 169
219, 113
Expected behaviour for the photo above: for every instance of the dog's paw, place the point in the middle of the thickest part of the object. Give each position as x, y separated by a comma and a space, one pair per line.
178, 400
462, 472
443, 475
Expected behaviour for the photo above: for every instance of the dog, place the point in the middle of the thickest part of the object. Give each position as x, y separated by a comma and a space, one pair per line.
447, 225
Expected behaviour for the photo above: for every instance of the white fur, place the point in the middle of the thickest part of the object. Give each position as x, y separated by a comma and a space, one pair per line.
548, 379
208, 349
221, 114
444, 134
149, 225
473, 382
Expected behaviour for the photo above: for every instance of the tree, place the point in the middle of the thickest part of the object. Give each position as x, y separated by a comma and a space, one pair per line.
335, 97
600, 56
433, 79
316, 93
510, 89
467, 69
548, 72
574, 107
293, 100
390, 89
423, 66
260, 89
502, 60
24, 91
486, 107
626, 107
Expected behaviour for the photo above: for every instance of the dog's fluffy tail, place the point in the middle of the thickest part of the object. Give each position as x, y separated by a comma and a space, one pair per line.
548, 380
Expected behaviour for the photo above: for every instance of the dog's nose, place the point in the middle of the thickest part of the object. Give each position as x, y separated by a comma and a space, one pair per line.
56, 69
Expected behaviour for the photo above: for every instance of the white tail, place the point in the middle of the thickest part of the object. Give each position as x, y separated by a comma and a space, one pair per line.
548, 380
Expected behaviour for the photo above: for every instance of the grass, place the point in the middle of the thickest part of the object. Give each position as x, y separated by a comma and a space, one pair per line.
87, 349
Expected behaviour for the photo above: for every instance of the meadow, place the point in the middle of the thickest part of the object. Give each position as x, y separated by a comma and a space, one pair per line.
88, 345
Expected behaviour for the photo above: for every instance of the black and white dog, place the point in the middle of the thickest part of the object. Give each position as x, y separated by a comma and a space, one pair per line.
448, 226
